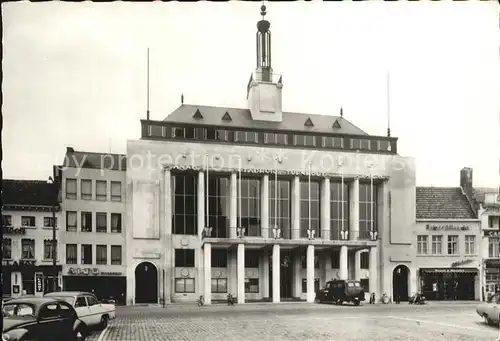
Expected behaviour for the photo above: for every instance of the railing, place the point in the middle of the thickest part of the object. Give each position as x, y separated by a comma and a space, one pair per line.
180, 132
264, 75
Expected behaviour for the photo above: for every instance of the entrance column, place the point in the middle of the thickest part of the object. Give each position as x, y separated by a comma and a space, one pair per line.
265, 273
373, 270
343, 273
233, 204
295, 208
168, 265
241, 273
207, 259
310, 274
201, 202
354, 209
276, 274
264, 208
325, 209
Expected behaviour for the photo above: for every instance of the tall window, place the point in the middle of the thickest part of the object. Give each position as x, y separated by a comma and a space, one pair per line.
116, 191
116, 223
470, 245
47, 249
218, 209
250, 206
86, 221
101, 254
219, 258
314, 216
335, 257
116, 255
101, 222
184, 258
453, 245
185, 204
422, 245
27, 248
101, 190
71, 221
252, 258
364, 261
71, 253
70, 188
7, 248
437, 245
86, 254
337, 199
367, 204
494, 247
280, 207
86, 190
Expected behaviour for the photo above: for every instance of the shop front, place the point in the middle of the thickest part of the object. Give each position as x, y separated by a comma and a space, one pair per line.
25, 277
449, 283
103, 283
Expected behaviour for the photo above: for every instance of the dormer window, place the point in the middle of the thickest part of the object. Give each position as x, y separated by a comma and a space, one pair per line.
336, 125
226, 117
308, 123
197, 115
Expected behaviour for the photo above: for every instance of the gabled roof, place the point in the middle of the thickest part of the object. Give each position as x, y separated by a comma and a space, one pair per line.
243, 119
28, 195
442, 203
480, 193
106, 161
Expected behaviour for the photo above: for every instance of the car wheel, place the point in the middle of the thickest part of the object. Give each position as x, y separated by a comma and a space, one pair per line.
104, 322
487, 320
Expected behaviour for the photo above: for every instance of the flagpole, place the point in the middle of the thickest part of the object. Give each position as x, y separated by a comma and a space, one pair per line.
208, 211
342, 201
371, 198
309, 197
276, 196
239, 201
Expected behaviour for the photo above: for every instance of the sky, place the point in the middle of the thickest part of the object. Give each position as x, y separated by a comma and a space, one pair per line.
74, 74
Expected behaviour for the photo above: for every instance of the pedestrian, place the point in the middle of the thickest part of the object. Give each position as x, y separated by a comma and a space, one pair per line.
397, 298
372, 298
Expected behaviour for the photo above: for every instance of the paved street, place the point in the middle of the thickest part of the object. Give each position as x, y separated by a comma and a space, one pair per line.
299, 321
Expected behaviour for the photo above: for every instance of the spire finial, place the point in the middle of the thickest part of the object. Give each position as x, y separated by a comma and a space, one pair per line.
263, 10
341, 112
182, 98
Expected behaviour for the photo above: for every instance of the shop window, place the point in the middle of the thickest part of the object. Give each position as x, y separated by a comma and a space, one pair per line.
49, 222
252, 285
86, 221
184, 258
101, 190
219, 285
101, 222
116, 255
335, 259
364, 260
7, 248
252, 259
116, 191
71, 253
71, 221
28, 221
48, 250
453, 245
28, 280
86, 189
101, 254
86, 254
6, 220
27, 248
219, 258
116, 223
304, 285
184, 285
71, 189
422, 245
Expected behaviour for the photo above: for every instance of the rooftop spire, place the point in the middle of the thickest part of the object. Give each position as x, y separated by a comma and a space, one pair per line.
263, 41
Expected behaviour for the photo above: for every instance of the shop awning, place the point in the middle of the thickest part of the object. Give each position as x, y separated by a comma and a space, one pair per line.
450, 270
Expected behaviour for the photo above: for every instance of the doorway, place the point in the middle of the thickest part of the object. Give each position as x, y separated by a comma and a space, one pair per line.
400, 277
286, 274
146, 283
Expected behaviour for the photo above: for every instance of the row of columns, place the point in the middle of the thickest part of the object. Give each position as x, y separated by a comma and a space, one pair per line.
311, 294
264, 206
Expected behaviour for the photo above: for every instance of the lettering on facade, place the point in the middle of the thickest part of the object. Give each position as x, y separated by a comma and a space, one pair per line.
13, 230
492, 233
446, 227
444, 270
21, 263
39, 282
461, 262
83, 271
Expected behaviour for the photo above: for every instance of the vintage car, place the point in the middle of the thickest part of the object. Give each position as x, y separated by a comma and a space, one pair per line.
92, 312
490, 311
41, 319
340, 291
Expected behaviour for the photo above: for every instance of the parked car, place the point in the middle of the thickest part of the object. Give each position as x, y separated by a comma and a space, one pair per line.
490, 311
340, 291
92, 312
41, 319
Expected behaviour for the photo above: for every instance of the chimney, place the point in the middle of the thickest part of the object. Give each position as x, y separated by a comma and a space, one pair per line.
466, 185
69, 150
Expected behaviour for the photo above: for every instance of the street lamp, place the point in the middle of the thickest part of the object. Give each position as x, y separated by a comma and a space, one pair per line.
54, 241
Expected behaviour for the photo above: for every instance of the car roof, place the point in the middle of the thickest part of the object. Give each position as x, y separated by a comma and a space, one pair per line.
36, 301
67, 293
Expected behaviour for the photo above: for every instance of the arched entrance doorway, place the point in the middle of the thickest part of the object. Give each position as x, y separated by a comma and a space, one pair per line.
400, 277
146, 283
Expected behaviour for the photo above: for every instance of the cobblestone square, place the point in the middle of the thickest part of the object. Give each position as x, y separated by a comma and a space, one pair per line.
299, 322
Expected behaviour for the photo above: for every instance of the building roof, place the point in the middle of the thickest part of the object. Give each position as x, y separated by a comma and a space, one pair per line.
442, 203
241, 118
93, 160
28, 195
480, 193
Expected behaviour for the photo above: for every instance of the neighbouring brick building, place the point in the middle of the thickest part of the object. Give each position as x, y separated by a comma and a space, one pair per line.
27, 221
